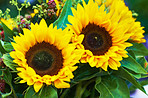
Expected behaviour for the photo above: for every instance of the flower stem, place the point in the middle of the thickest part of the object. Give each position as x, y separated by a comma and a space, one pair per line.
80, 90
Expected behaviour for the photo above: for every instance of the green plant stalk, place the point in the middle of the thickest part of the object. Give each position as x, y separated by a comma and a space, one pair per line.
15, 96
80, 90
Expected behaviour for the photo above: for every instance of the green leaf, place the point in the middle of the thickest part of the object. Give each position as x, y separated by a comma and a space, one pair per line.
112, 87
1, 55
85, 72
133, 65
2, 50
30, 93
7, 76
8, 80
5, 95
49, 92
8, 61
139, 49
8, 47
40, 1
142, 61
63, 18
7, 32
131, 53
98, 80
123, 73
142, 82
136, 75
46, 92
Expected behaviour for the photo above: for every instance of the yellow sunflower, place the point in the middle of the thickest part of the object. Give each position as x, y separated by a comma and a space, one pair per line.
102, 29
44, 56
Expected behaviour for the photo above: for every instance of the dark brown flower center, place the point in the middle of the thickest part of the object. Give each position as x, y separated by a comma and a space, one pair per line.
96, 39
45, 59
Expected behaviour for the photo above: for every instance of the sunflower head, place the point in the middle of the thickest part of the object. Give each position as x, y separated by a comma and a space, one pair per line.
102, 30
44, 56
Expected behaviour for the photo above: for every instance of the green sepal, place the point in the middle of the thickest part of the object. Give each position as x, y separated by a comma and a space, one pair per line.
8, 61
7, 32
133, 65
139, 49
63, 18
45, 92
123, 73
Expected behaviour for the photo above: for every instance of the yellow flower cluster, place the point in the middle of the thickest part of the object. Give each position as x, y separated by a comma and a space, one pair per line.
97, 35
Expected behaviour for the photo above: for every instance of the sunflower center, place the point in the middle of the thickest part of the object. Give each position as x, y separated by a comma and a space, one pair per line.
42, 60
45, 59
96, 39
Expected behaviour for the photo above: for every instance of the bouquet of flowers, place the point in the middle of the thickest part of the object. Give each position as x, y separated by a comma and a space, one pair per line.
72, 49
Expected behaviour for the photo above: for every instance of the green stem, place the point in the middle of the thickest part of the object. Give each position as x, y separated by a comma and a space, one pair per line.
19, 14
15, 96
80, 90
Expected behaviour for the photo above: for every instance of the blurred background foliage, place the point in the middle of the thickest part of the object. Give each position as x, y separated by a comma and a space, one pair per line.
138, 6
13, 11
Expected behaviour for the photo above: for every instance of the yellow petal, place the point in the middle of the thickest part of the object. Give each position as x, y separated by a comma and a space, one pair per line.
30, 81
37, 86
61, 84
113, 64
31, 71
104, 66
22, 81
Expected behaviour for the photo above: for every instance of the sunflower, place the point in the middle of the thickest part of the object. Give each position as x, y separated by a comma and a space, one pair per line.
44, 56
102, 29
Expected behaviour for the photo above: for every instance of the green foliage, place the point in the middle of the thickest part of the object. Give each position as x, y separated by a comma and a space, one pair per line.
41, 1
5, 15
8, 79
5, 47
62, 20
88, 82
112, 87
138, 49
142, 61
7, 32
8, 47
124, 74
85, 72
129, 62
8, 61
5, 95
45, 92
2, 50
142, 82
